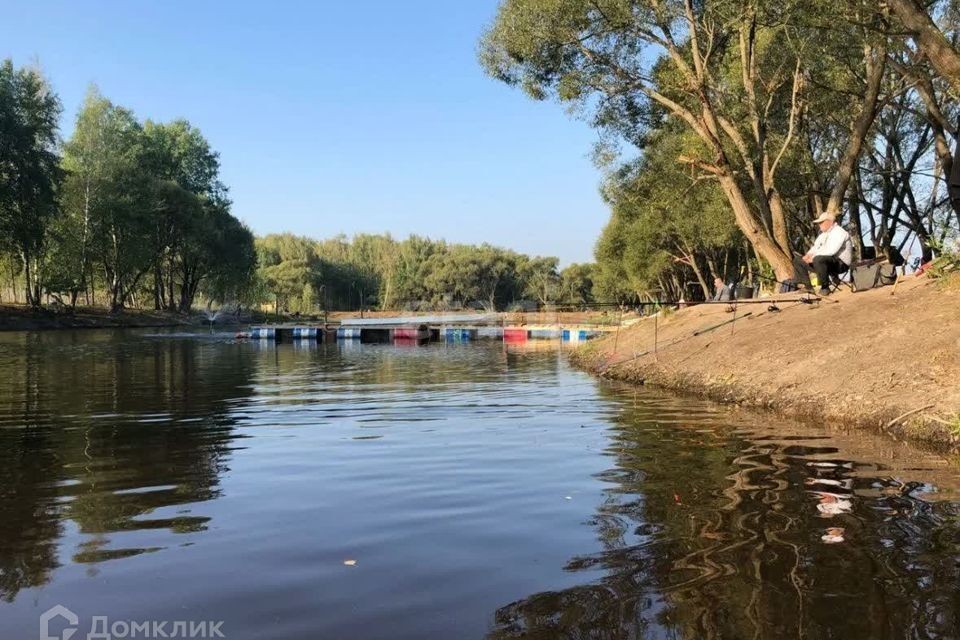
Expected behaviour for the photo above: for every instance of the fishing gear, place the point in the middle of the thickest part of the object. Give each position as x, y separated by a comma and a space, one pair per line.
721, 324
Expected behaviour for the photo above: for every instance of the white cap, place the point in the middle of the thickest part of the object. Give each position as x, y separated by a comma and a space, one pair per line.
824, 217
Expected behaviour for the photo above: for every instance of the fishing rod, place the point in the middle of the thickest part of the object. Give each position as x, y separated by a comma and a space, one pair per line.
688, 303
699, 332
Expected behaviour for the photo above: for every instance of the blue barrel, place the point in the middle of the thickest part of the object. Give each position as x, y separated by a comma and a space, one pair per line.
348, 333
304, 333
263, 333
458, 334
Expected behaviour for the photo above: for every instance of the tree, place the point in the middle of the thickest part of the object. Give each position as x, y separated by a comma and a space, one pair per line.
29, 168
733, 74
287, 264
190, 214
226, 260
928, 36
576, 284
542, 279
665, 226
91, 166
109, 195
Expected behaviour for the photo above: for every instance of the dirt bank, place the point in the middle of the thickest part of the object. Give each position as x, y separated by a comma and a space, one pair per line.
872, 359
22, 318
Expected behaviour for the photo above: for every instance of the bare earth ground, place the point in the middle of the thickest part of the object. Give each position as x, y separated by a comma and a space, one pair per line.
874, 359
518, 318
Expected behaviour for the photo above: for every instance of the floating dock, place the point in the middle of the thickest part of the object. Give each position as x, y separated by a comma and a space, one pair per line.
419, 329
515, 334
284, 333
541, 332
349, 333
579, 334
458, 334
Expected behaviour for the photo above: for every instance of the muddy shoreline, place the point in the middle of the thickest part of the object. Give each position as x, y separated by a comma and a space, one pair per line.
16, 318
887, 364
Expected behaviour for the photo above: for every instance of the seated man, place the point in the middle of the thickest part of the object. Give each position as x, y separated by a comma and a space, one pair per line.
722, 291
831, 253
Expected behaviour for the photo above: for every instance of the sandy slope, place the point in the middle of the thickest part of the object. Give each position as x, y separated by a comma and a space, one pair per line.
866, 358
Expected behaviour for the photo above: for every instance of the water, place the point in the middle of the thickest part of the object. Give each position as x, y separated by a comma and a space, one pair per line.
477, 492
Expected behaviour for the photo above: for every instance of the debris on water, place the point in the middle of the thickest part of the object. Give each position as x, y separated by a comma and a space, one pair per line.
350, 563
833, 535
568, 497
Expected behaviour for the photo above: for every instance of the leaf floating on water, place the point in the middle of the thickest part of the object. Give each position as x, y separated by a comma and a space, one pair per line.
350, 563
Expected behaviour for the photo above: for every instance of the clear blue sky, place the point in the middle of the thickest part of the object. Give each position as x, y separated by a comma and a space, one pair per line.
335, 116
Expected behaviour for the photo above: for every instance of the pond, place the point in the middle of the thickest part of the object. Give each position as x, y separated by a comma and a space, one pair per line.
469, 491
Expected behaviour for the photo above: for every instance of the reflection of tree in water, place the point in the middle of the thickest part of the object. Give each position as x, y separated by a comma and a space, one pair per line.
116, 435
706, 534
29, 519
298, 377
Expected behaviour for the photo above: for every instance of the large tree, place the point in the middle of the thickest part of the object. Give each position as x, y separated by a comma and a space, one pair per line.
190, 202
666, 228
29, 168
737, 75
941, 53
108, 195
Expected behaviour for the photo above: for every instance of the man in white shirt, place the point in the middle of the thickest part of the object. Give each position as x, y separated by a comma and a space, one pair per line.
832, 252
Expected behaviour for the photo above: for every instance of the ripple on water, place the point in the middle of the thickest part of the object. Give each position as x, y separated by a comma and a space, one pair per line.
473, 490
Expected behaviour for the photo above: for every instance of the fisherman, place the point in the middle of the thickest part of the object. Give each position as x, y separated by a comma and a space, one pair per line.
722, 291
831, 253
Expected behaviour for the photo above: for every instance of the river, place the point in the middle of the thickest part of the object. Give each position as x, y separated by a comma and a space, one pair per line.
442, 491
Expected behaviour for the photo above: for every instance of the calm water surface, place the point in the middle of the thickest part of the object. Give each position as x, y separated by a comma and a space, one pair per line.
479, 492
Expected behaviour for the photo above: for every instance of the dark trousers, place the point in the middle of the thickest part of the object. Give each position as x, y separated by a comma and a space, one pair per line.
827, 266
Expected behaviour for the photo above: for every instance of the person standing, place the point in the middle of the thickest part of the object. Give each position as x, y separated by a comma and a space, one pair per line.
831, 254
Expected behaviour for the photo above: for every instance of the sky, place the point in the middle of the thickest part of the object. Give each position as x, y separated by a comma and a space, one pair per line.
335, 117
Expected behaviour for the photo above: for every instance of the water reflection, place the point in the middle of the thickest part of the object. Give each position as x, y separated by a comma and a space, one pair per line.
480, 489
113, 435
716, 532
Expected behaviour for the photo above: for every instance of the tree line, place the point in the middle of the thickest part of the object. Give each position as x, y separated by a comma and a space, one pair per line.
727, 125
304, 275
124, 213
131, 213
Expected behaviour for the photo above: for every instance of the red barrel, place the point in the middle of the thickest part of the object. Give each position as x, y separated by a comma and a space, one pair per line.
515, 334
411, 333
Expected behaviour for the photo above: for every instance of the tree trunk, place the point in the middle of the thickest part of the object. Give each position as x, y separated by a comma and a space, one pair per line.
712, 267
778, 216
857, 235
875, 59
157, 288
942, 56
32, 299
762, 243
691, 259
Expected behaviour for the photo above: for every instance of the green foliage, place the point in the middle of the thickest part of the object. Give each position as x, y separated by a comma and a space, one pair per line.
666, 228
760, 97
576, 284
303, 275
29, 168
947, 264
124, 202
146, 199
